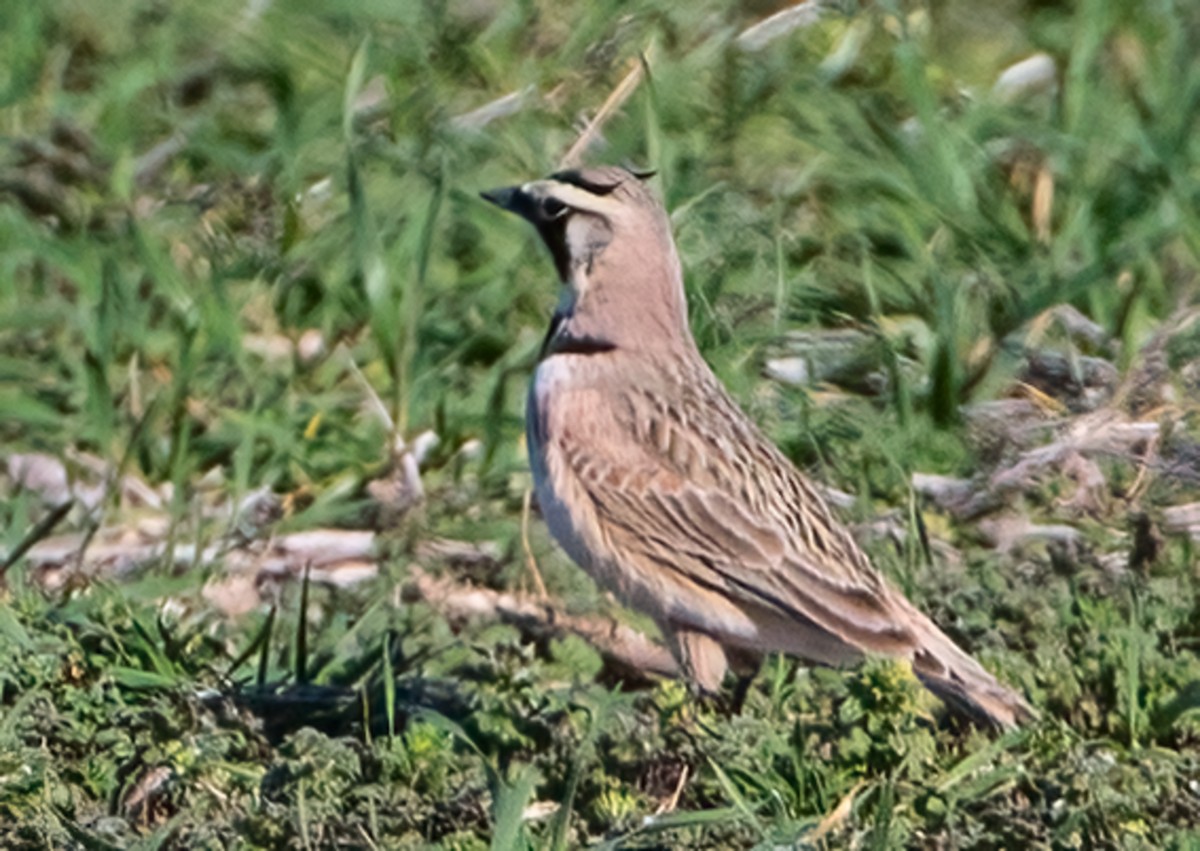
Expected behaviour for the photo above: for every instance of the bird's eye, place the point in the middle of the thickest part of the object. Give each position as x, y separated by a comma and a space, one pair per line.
552, 208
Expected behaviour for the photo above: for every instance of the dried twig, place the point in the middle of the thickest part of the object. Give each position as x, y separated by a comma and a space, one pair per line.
758, 36
672, 801
150, 165
640, 66
1183, 520
510, 104
41, 530
1102, 433
620, 645
1140, 480
836, 817
375, 403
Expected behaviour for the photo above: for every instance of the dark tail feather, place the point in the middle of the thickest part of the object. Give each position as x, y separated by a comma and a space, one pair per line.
964, 684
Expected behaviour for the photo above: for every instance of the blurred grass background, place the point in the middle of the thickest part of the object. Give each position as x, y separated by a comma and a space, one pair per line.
225, 227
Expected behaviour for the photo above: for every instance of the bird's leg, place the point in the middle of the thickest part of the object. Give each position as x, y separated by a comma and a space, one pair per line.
745, 665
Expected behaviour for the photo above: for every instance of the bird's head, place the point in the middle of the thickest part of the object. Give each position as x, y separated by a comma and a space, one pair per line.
610, 239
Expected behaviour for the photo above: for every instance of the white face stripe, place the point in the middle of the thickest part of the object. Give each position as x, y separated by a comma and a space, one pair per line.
574, 196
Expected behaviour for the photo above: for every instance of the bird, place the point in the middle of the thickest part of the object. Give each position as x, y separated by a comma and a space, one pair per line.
654, 481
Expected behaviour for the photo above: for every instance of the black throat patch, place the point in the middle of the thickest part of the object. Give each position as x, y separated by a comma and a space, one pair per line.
559, 341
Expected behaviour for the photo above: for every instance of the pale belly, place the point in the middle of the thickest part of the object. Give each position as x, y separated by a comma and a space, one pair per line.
566, 526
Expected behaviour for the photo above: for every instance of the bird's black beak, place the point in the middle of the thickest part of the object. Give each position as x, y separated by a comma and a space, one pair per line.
549, 221
509, 198
516, 200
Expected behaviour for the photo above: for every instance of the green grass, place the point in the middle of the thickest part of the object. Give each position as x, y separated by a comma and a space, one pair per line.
855, 175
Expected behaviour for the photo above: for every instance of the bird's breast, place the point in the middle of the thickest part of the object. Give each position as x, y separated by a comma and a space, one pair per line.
553, 397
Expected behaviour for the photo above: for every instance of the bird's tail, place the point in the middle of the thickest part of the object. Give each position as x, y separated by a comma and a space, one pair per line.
960, 681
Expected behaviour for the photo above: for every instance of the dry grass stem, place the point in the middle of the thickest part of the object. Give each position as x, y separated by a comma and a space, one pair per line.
783, 22
639, 67
530, 560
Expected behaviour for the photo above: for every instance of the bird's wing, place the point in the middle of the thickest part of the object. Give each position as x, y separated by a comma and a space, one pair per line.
723, 509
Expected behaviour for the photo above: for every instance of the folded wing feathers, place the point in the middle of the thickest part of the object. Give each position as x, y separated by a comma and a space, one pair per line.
710, 540
770, 544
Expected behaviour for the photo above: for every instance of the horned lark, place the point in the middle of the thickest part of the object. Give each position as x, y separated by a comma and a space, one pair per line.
655, 482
